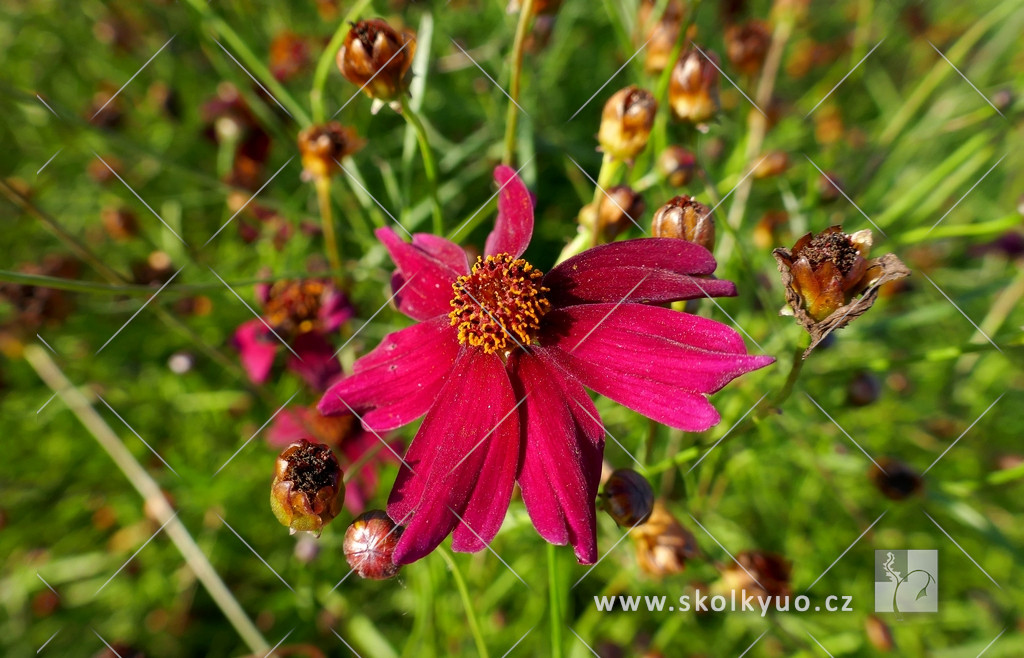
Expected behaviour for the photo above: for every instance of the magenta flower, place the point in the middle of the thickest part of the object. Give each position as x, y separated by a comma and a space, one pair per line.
499, 362
346, 437
300, 313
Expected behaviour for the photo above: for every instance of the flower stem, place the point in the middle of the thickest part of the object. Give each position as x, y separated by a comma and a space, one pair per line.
151, 493
516, 64
323, 197
795, 368
323, 65
555, 609
429, 165
609, 170
467, 603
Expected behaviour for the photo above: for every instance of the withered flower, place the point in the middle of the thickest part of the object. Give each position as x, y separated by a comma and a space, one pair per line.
760, 574
619, 209
829, 281
677, 165
895, 479
119, 223
746, 45
376, 57
663, 545
627, 497
772, 164
626, 122
370, 545
693, 87
685, 218
324, 146
663, 34
307, 490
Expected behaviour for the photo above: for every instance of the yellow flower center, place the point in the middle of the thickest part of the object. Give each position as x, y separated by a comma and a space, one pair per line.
498, 302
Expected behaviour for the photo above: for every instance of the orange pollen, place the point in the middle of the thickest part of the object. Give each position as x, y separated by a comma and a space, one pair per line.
499, 302
293, 307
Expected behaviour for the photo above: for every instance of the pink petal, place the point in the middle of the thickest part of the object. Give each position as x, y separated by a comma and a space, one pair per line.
257, 348
424, 278
514, 226
316, 363
289, 425
653, 360
462, 462
335, 311
656, 270
444, 250
362, 486
399, 380
564, 442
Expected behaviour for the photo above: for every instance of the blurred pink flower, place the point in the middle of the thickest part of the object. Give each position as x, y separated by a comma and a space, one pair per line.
301, 313
498, 363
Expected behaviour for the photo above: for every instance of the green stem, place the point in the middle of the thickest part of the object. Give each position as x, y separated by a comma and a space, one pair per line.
151, 493
429, 164
467, 603
323, 65
516, 64
323, 197
795, 368
555, 605
252, 63
610, 167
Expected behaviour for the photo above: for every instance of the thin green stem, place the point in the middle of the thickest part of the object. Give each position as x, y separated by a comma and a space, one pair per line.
467, 603
516, 65
151, 493
610, 167
323, 65
323, 197
556, 611
429, 164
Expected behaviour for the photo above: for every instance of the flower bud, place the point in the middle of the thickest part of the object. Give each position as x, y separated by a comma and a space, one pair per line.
759, 573
626, 122
376, 57
323, 147
663, 545
693, 87
627, 497
663, 33
746, 45
370, 544
620, 207
685, 218
772, 164
307, 490
677, 165
895, 479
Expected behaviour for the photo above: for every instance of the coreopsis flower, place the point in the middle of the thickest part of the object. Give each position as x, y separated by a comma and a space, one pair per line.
498, 363
343, 434
895, 479
758, 573
627, 497
685, 218
301, 314
746, 45
663, 544
626, 122
376, 57
307, 490
677, 165
324, 146
829, 281
370, 545
693, 87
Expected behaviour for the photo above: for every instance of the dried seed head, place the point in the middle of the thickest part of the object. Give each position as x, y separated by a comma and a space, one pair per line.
323, 147
747, 44
626, 122
620, 208
677, 165
307, 490
119, 223
376, 57
663, 545
897, 481
661, 35
685, 218
693, 87
863, 389
759, 573
772, 164
627, 497
370, 545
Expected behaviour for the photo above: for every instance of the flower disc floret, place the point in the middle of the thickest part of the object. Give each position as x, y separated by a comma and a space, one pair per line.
500, 301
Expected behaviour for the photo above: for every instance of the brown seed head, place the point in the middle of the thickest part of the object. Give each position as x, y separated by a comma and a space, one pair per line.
307, 490
747, 44
324, 146
627, 497
898, 481
677, 165
626, 122
370, 545
693, 87
376, 57
663, 545
685, 218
